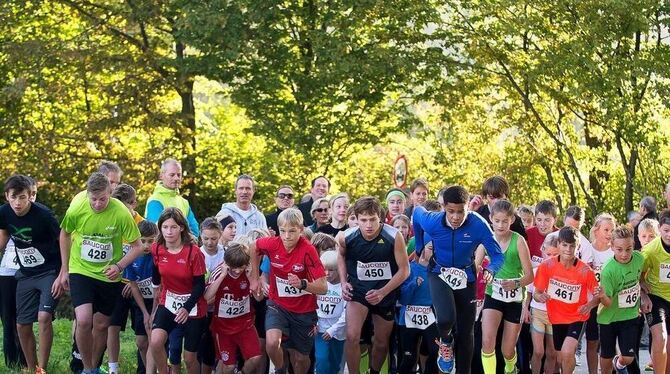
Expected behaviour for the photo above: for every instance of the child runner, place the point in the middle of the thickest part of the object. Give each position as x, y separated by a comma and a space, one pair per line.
657, 280
541, 331
601, 240
179, 268
332, 319
401, 223
33, 229
139, 275
233, 318
527, 216
565, 283
396, 201
372, 264
647, 231
229, 229
505, 295
456, 234
210, 235
127, 195
296, 277
620, 299
416, 320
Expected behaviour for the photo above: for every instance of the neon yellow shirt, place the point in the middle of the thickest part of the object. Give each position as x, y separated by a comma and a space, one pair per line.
97, 237
657, 267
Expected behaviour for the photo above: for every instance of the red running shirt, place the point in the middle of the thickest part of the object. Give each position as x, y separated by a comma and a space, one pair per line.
303, 261
233, 310
177, 271
535, 241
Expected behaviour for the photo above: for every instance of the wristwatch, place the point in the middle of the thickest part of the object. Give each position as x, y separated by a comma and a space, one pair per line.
303, 284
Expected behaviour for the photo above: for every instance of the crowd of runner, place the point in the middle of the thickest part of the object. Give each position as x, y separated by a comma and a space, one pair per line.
465, 283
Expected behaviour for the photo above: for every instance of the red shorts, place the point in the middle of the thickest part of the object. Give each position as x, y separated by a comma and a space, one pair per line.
246, 340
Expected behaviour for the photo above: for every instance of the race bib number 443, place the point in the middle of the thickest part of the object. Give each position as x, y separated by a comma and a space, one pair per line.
93, 251
565, 292
373, 271
175, 301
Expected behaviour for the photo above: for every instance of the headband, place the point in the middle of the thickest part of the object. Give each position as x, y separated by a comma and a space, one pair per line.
225, 221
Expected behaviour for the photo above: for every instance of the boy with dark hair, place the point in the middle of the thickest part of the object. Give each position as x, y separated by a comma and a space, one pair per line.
34, 231
456, 234
496, 188
545, 223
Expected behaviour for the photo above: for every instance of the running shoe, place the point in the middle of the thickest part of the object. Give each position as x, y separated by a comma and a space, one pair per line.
39, 370
445, 358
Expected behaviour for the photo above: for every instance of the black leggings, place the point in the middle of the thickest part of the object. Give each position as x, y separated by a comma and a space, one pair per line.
10, 337
455, 310
409, 345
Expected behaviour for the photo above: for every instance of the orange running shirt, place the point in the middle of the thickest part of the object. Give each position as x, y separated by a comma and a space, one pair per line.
567, 289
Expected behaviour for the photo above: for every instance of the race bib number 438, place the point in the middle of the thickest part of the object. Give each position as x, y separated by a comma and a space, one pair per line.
565, 292
93, 251
419, 317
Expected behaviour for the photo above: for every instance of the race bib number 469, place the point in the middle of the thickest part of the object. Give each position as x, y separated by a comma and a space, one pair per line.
93, 251
565, 292
29, 257
373, 271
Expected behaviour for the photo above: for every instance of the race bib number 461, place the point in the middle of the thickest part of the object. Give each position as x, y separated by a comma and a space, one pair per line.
565, 292
93, 251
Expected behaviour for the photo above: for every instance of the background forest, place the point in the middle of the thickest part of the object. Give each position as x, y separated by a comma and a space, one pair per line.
569, 100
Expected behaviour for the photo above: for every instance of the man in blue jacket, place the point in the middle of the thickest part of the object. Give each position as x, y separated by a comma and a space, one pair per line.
456, 234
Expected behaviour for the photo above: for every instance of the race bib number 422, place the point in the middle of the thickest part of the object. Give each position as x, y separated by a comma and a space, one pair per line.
93, 251
234, 308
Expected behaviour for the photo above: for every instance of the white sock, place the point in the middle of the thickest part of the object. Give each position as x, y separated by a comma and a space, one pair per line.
114, 367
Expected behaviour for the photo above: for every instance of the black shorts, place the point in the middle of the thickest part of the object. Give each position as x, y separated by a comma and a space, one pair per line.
206, 352
386, 311
87, 290
562, 331
121, 311
660, 312
137, 319
367, 330
296, 326
511, 312
624, 332
260, 308
193, 328
592, 326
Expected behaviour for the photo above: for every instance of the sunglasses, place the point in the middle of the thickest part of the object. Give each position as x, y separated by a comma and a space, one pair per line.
285, 195
321, 210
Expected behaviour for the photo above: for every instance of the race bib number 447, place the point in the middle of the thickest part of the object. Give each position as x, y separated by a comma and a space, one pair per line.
565, 292
93, 251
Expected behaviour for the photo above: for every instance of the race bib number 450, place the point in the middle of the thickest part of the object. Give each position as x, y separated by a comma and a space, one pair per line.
373, 271
175, 301
565, 292
93, 251
454, 277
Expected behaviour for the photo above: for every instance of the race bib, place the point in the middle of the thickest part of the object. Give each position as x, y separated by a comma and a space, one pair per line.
329, 306
597, 269
419, 317
478, 310
175, 301
664, 273
146, 289
30, 257
629, 297
536, 261
126, 248
10, 259
567, 293
454, 277
286, 290
234, 308
373, 271
506, 296
93, 251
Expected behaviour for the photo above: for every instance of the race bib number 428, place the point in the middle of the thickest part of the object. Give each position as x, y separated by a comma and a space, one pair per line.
93, 251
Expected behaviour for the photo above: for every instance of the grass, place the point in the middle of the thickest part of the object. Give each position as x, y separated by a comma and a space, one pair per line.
59, 361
